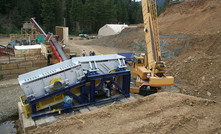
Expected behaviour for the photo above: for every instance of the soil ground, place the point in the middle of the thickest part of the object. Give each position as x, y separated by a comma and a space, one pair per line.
158, 113
79, 45
195, 68
9, 97
196, 17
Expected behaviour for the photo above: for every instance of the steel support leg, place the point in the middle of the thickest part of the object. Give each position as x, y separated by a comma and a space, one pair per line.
92, 92
126, 85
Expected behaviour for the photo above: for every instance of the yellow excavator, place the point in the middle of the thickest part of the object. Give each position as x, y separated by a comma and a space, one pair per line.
149, 67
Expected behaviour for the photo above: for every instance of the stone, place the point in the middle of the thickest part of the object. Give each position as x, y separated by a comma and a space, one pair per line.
91, 108
84, 110
208, 93
124, 100
9, 66
50, 120
25, 64
45, 121
28, 123
131, 98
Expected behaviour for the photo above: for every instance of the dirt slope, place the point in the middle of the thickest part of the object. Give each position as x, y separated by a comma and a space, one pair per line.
197, 68
130, 39
159, 113
192, 17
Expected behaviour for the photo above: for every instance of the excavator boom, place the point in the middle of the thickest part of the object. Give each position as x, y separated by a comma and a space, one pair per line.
149, 67
151, 32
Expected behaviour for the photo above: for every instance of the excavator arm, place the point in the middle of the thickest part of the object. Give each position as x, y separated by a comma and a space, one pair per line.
149, 67
153, 54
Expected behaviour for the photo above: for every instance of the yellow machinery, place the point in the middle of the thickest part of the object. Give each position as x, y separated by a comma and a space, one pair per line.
149, 67
53, 100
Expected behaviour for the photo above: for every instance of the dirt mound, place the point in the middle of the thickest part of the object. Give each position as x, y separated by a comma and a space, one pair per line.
197, 68
197, 17
131, 39
159, 113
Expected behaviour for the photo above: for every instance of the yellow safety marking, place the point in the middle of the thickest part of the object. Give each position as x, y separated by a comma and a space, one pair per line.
53, 111
53, 81
82, 121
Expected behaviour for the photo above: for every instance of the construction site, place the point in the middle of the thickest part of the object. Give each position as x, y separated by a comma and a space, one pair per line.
160, 76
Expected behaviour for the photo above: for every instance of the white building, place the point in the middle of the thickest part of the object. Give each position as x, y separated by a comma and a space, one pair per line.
111, 29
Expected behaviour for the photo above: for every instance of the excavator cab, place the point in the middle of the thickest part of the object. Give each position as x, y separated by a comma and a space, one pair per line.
138, 61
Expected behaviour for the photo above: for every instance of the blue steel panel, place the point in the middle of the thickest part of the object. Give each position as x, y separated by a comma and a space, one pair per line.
58, 92
101, 76
75, 96
83, 98
129, 56
92, 93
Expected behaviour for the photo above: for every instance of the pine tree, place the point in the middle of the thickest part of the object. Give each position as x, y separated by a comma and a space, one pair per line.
37, 8
16, 18
48, 15
26, 9
58, 11
99, 16
110, 13
67, 13
139, 18
76, 15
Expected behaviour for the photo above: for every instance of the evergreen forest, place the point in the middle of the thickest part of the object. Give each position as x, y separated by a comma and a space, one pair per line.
81, 16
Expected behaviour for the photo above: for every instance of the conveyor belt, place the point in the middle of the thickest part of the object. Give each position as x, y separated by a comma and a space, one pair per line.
60, 51
38, 27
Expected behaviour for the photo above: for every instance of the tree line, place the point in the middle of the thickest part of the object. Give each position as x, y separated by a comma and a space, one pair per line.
81, 16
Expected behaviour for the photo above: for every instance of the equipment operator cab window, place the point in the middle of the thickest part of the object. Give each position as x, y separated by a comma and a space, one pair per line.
140, 61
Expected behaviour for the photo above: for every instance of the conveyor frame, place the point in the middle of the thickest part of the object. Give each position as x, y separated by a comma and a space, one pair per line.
125, 92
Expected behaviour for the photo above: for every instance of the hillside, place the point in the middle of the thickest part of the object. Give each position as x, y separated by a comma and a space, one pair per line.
190, 31
196, 69
127, 39
198, 17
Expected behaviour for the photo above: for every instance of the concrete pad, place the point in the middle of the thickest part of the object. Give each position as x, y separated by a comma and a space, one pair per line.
72, 113
28, 123
20, 111
45, 121
50, 120
124, 100
84, 110
131, 98
91, 108
40, 122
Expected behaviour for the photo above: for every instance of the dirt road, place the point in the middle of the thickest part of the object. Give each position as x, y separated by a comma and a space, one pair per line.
158, 113
79, 45
9, 97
